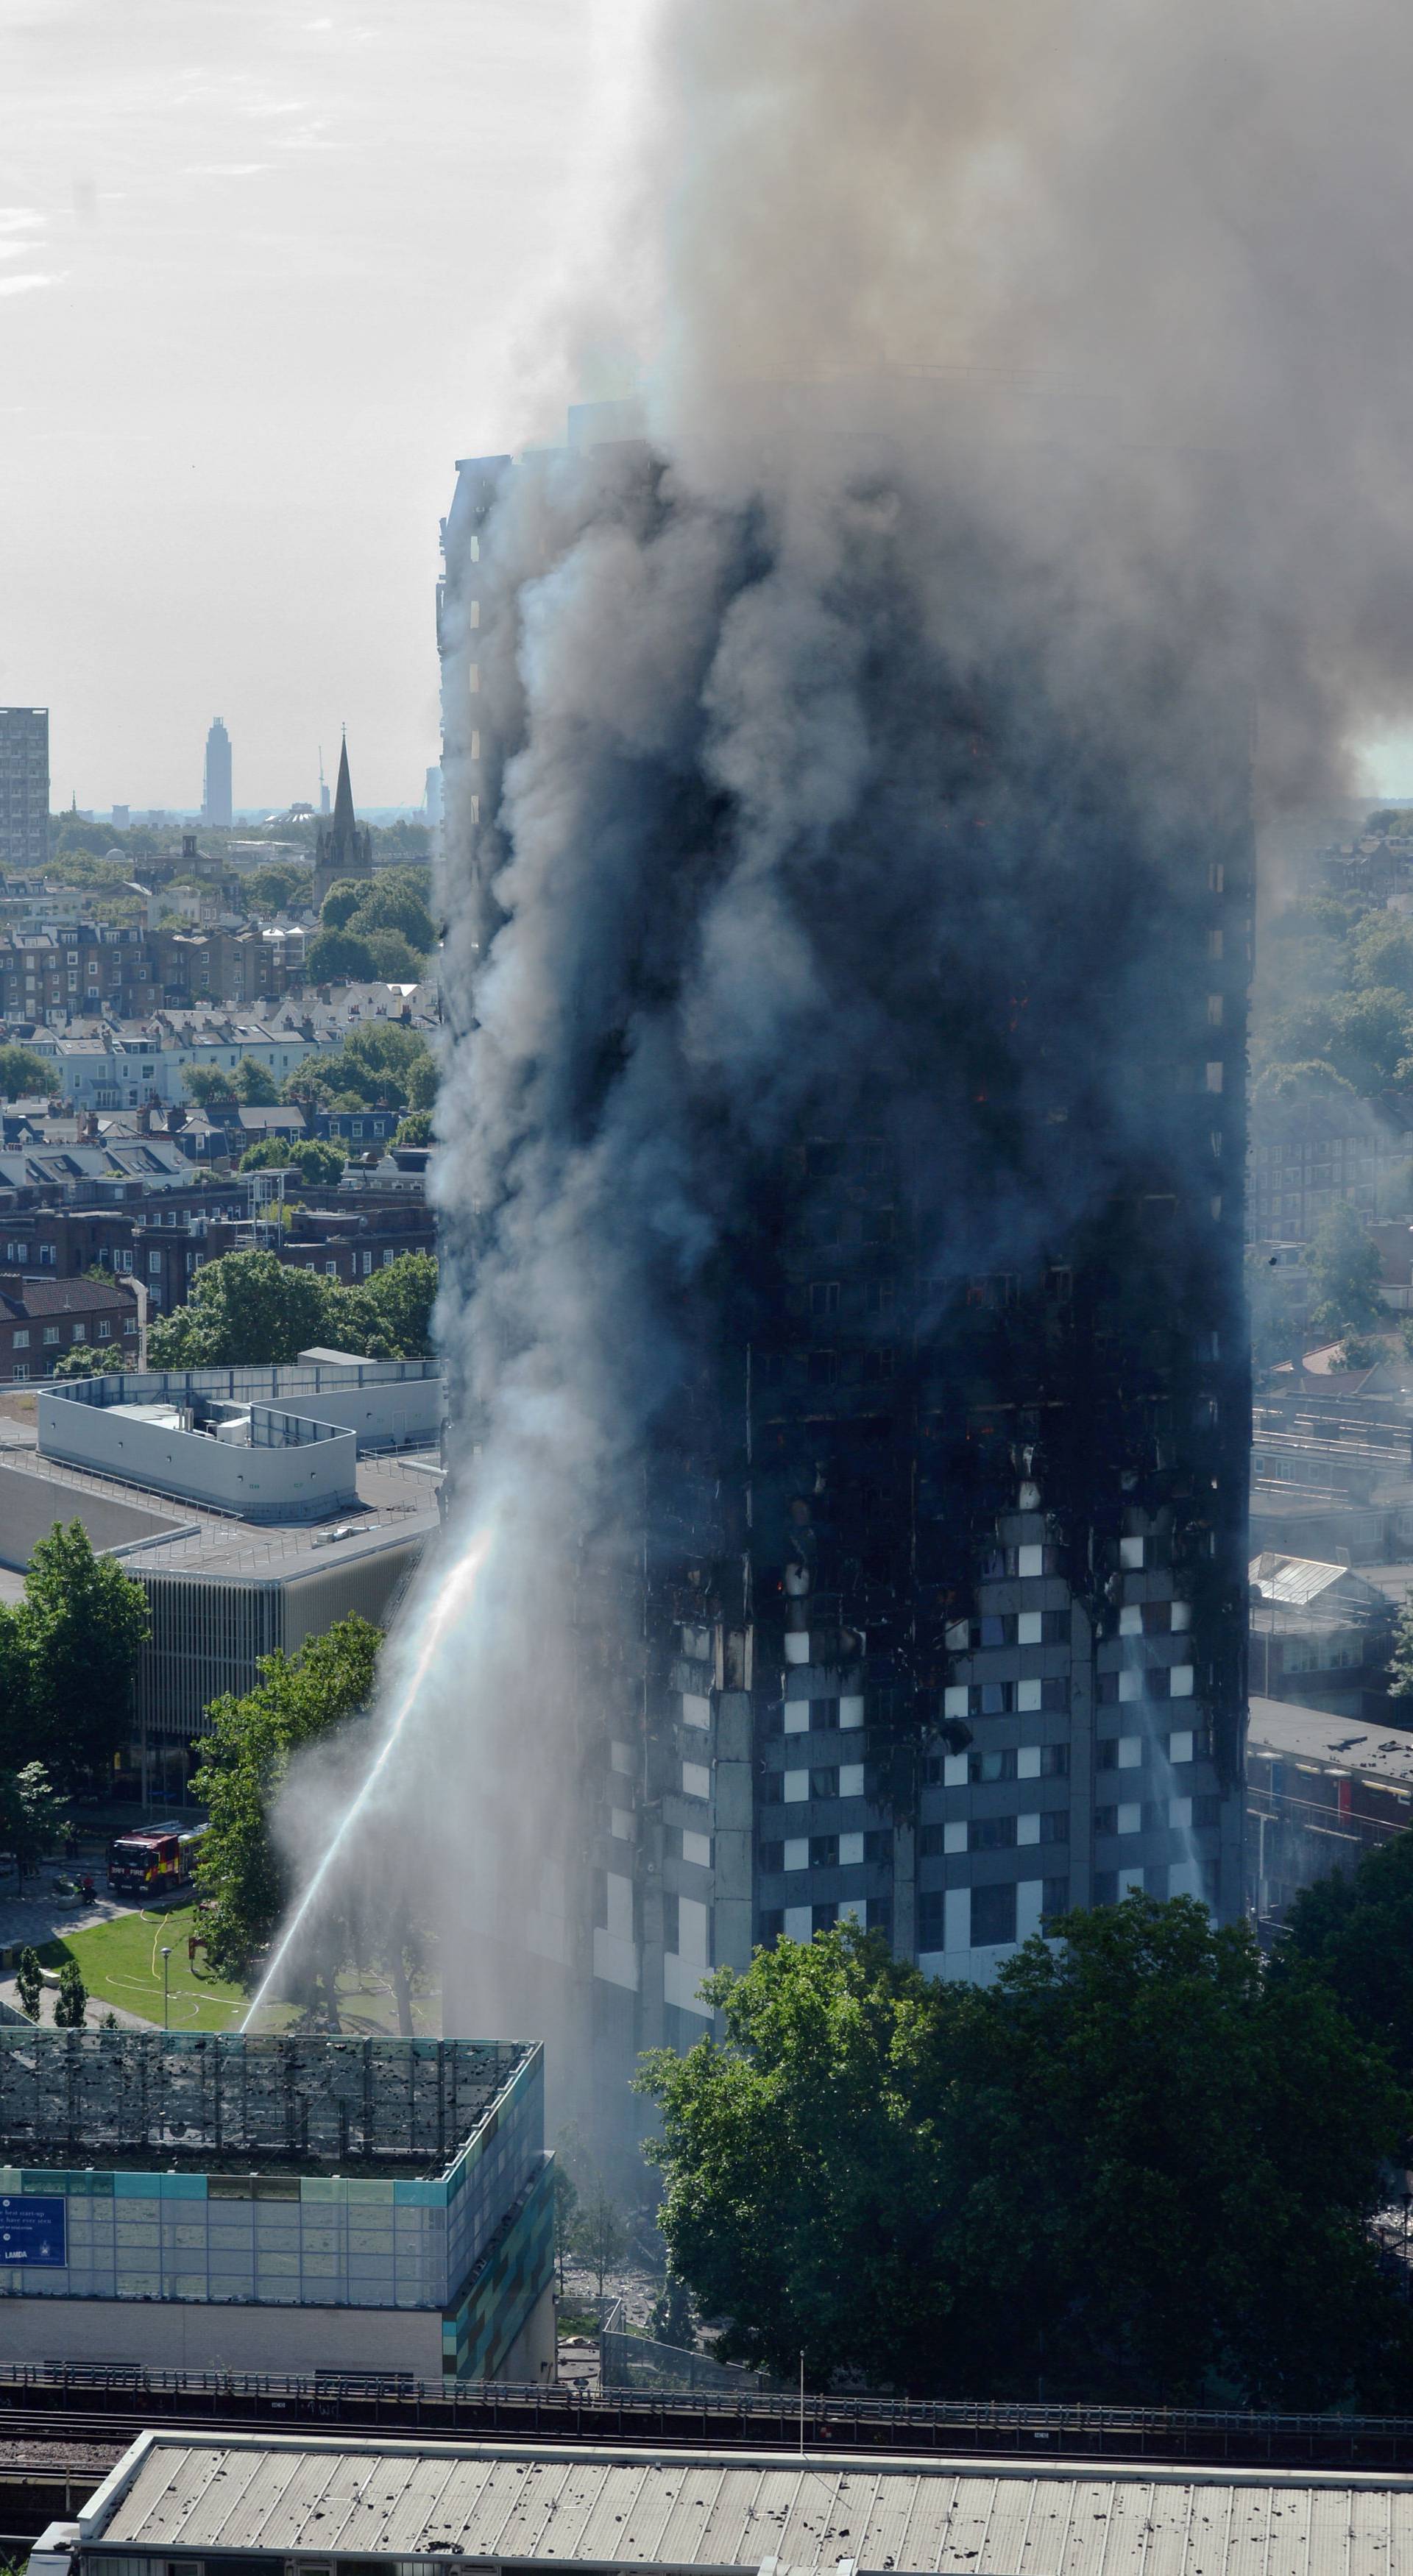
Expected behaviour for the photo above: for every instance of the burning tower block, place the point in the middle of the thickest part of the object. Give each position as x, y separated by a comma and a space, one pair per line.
223, 2203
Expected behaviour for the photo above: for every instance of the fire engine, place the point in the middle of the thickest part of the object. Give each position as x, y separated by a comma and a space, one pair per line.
154, 1860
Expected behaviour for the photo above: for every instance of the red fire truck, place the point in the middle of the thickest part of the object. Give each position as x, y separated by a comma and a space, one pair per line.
154, 1860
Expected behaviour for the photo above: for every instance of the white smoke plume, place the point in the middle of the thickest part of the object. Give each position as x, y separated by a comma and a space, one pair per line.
1029, 393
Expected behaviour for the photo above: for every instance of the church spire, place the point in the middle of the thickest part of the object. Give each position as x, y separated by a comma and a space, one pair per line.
343, 796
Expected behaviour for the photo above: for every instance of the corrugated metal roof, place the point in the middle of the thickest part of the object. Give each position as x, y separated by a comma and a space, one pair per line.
725, 2511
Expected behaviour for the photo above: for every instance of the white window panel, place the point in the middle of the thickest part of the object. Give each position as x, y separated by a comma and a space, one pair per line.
1027, 1829
1028, 1762
1130, 1686
1131, 1554
620, 1821
1130, 1752
1130, 1817
797, 1852
1180, 1681
958, 1637
622, 1757
693, 1923
1180, 1745
696, 1711
1214, 1077
1030, 1897
851, 1710
1028, 1695
797, 1787
696, 1848
799, 1922
851, 1911
696, 1780
954, 1700
954, 1771
954, 1835
1182, 1616
620, 1906
797, 1716
1130, 1882
797, 1646
1131, 1620
1029, 1628
1180, 1814
1030, 1560
851, 1850
851, 1779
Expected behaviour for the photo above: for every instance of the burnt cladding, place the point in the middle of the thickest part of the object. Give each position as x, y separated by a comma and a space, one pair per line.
922, 1599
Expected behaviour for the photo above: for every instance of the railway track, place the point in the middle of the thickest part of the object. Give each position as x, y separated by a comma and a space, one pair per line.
64, 2413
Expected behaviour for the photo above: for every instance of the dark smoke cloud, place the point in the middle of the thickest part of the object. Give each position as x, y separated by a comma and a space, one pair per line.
1028, 393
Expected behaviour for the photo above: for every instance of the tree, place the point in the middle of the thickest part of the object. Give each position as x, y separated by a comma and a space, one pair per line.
670, 2316
1353, 1931
92, 1359
33, 1819
25, 1075
210, 1086
280, 885
337, 957
244, 1760
402, 1295
1127, 2169
71, 2004
599, 2237
255, 1085
82, 1627
29, 1985
393, 901
245, 1310
315, 1161
566, 2202
382, 1067
415, 1128
342, 902
394, 958
1345, 1273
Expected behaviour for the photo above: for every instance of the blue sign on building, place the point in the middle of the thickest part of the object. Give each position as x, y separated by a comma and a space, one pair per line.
32, 2229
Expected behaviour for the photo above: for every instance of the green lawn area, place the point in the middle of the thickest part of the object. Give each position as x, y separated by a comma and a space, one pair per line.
121, 1963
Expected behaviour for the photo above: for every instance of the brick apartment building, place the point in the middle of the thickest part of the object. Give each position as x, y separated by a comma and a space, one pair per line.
56, 974
41, 1319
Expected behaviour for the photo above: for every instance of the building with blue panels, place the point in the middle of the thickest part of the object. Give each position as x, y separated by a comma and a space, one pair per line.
276, 2203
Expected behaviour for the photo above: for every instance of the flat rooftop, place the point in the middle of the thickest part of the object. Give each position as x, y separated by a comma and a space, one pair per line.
278, 2498
1281, 1730
178, 2101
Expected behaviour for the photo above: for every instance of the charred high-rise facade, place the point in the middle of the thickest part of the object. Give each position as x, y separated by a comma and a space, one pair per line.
914, 1593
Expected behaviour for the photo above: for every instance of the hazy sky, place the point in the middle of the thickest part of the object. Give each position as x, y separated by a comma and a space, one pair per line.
265, 272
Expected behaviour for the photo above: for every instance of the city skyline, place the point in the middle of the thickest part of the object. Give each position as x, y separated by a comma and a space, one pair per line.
262, 275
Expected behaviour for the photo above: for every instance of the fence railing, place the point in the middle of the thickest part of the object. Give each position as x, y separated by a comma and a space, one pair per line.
629, 2360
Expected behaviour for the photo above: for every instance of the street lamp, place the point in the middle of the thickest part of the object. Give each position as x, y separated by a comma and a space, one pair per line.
166, 1971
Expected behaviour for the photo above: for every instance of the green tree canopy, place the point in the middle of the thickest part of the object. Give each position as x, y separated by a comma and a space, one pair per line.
393, 901
1344, 1274
244, 1760
1128, 2169
1354, 1931
387, 1316
92, 1359
279, 885
315, 1160
255, 1085
415, 1128
210, 1086
384, 1066
337, 957
69, 1654
394, 957
33, 1817
25, 1075
341, 902
244, 1310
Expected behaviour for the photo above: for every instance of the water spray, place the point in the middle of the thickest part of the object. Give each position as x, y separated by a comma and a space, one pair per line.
454, 1596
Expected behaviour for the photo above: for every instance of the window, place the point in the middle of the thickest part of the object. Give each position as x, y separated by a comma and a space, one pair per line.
823, 1917
993, 1916
823, 1368
80, 1333
19, 1368
1054, 1898
824, 1296
51, 1332
105, 1329
1207, 1810
388, 1260
772, 1923
931, 1919
878, 1364
1106, 1820
992, 1833
772, 1858
824, 1851
19, 1341
331, 1270
1054, 1825
824, 1784
991, 1766
154, 1261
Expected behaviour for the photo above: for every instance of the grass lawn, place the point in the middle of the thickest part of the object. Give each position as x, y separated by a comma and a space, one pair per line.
121, 1963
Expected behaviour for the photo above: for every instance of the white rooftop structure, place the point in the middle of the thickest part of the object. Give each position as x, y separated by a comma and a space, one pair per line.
178, 2496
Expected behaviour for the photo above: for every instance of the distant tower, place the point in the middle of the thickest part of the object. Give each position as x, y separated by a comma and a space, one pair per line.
323, 784
24, 787
342, 850
216, 793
